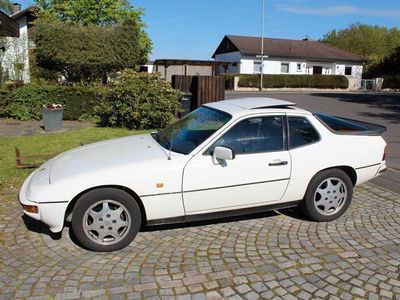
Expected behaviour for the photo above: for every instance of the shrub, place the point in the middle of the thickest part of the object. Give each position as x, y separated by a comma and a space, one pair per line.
391, 82
3, 103
26, 103
294, 81
138, 101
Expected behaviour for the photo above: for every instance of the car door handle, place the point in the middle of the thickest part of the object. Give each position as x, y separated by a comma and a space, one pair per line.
277, 163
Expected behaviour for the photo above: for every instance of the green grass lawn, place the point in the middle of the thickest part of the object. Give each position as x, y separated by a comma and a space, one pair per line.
11, 177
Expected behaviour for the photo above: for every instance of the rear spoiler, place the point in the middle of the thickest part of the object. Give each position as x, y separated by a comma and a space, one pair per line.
355, 127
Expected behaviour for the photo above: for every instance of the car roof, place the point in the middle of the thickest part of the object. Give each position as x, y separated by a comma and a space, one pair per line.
248, 105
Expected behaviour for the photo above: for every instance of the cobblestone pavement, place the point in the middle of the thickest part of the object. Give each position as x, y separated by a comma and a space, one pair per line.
277, 254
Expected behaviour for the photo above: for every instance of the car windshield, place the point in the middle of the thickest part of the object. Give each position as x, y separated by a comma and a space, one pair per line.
187, 133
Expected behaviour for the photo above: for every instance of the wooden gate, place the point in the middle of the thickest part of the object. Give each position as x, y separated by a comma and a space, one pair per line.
204, 89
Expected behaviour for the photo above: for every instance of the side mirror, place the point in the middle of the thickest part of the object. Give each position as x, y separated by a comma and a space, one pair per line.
221, 154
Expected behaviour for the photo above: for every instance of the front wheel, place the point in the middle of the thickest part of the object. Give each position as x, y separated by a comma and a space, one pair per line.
328, 195
106, 219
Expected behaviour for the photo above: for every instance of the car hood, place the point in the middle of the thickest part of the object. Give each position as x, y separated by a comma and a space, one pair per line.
102, 156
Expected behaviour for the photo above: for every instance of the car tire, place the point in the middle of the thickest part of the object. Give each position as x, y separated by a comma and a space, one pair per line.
106, 219
328, 195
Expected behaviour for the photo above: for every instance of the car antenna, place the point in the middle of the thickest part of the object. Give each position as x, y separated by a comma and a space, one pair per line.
170, 144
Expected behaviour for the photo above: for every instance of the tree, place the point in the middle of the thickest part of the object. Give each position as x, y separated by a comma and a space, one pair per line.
102, 13
6, 6
85, 12
390, 65
373, 42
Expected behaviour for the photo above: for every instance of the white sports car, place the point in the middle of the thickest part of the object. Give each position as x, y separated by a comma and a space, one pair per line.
225, 158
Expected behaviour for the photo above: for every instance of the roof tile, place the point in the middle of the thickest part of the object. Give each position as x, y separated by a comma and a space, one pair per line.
305, 49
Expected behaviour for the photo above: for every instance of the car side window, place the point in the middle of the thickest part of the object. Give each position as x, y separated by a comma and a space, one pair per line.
301, 132
254, 135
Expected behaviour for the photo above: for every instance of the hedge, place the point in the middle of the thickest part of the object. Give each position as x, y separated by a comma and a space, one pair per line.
294, 81
391, 82
26, 103
134, 100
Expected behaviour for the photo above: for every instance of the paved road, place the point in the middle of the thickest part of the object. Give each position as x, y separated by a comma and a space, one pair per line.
279, 255
382, 108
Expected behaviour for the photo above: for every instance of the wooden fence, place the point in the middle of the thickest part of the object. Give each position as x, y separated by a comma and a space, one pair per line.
204, 89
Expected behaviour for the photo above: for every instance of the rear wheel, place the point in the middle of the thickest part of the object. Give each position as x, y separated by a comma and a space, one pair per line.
106, 219
328, 195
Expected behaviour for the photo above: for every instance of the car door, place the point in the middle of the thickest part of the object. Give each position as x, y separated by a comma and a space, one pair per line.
258, 174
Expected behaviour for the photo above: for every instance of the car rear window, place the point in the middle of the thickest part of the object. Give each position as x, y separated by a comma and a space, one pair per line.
340, 124
301, 132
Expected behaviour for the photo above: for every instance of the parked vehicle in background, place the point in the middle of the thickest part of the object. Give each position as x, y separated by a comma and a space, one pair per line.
225, 158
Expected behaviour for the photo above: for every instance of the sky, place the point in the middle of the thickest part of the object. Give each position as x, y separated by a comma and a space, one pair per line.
192, 29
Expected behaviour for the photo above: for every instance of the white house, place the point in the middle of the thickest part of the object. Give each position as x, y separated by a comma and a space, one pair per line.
283, 56
15, 62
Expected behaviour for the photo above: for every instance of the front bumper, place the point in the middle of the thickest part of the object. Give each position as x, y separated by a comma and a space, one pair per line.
23, 199
50, 213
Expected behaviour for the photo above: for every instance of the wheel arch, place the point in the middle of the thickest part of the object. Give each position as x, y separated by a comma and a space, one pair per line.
135, 196
350, 171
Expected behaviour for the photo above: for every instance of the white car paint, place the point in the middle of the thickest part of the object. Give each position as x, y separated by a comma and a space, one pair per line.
174, 185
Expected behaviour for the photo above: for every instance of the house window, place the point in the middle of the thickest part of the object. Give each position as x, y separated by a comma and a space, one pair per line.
284, 68
298, 68
327, 71
317, 70
348, 70
257, 67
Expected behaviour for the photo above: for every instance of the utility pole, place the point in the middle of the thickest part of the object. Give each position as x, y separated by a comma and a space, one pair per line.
262, 44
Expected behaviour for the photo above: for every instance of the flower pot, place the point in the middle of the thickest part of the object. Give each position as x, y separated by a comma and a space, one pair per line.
52, 119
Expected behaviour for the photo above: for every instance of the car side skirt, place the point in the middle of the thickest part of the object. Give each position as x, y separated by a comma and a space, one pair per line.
222, 214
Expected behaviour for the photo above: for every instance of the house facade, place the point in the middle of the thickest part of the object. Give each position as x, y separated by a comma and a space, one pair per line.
283, 56
15, 62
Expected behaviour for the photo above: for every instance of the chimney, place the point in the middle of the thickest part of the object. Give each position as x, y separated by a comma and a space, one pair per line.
16, 7
307, 38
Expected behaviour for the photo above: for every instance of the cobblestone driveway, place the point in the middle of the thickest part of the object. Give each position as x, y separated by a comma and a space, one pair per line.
277, 255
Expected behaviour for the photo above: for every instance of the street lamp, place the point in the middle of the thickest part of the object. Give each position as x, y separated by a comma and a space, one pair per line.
262, 44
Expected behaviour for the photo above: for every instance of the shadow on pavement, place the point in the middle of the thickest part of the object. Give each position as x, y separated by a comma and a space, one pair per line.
38, 227
271, 213
293, 212
390, 102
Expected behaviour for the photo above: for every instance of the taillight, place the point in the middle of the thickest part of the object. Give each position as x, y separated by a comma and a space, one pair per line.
384, 154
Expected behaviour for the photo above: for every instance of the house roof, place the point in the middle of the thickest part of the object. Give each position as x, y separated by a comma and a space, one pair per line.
31, 10
192, 62
304, 49
8, 27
